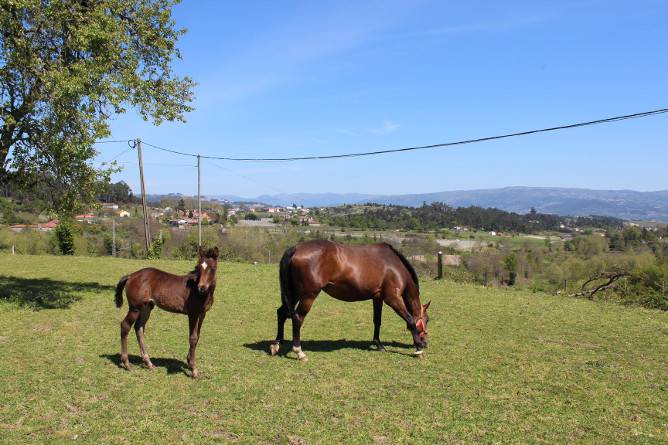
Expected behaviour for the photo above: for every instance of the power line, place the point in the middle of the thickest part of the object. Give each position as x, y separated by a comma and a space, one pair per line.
424, 147
175, 151
114, 141
118, 156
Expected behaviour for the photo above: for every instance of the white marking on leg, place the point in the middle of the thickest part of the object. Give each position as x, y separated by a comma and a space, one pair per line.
420, 352
275, 348
300, 353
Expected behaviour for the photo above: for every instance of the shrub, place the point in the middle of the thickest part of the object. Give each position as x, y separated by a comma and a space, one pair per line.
65, 238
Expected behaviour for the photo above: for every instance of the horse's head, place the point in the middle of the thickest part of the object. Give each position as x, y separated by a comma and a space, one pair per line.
206, 269
422, 322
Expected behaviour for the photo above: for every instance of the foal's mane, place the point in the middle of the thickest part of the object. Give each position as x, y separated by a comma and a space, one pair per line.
407, 265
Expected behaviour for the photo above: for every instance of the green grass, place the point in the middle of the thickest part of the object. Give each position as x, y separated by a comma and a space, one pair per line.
501, 367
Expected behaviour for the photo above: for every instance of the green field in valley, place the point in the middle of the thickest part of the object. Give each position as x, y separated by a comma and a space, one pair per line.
502, 366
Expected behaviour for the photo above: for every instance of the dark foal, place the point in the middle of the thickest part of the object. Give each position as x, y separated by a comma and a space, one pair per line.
190, 294
375, 272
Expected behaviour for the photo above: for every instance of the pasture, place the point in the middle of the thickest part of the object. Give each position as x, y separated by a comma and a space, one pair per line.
502, 366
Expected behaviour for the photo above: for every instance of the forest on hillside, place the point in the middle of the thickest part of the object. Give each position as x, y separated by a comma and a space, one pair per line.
439, 215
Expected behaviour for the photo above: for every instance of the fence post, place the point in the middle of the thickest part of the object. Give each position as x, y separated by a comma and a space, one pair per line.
13, 253
439, 265
565, 284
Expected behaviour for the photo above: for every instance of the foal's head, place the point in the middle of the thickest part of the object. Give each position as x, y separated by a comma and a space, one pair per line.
206, 269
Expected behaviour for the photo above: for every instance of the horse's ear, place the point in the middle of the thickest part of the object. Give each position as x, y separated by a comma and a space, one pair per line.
215, 253
426, 306
200, 252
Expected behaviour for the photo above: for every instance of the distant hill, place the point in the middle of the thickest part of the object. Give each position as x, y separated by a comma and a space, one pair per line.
625, 204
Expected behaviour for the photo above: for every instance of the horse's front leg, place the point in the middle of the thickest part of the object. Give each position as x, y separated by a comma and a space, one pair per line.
377, 315
195, 325
396, 302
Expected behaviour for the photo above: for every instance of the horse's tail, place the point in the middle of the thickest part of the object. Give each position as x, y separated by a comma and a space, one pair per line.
407, 265
119, 290
287, 290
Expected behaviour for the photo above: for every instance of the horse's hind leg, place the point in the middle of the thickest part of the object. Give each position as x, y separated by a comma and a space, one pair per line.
297, 321
281, 316
126, 325
377, 316
139, 330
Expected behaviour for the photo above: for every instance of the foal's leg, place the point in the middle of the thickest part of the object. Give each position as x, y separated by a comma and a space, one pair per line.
377, 313
297, 321
195, 324
139, 330
126, 325
281, 316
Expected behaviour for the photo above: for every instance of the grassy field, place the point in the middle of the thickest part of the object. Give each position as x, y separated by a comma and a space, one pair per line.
502, 366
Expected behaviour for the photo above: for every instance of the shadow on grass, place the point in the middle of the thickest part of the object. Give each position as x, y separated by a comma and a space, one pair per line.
43, 293
172, 365
330, 346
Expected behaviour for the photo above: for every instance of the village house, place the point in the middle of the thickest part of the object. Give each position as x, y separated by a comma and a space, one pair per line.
45, 227
86, 217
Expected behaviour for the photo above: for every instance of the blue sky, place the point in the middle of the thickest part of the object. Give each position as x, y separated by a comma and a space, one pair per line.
298, 78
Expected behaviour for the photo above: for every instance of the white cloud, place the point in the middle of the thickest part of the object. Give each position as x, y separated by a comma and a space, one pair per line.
387, 128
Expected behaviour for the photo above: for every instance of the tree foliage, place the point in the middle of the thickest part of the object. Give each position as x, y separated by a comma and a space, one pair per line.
66, 66
65, 238
439, 215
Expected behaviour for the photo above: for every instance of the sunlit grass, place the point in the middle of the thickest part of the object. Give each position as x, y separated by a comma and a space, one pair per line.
502, 366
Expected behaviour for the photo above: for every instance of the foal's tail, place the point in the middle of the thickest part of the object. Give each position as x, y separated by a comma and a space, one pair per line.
287, 290
119, 290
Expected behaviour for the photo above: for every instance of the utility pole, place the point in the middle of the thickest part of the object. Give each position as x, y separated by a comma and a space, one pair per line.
113, 236
439, 266
199, 203
147, 234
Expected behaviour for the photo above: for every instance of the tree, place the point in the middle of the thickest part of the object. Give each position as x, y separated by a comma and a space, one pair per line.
65, 238
118, 192
511, 264
66, 66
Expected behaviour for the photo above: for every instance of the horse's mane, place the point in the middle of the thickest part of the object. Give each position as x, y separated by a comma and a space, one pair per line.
407, 264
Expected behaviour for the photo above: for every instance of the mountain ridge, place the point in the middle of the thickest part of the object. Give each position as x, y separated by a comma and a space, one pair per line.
625, 204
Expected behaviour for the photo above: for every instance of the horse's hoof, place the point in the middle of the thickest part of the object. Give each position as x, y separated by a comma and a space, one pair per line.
195, 374
302, 357
274, 348
126, 366
419, 354
150, 366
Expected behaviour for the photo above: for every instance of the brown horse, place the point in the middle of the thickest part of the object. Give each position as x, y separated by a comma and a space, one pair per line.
190, 294
375, 272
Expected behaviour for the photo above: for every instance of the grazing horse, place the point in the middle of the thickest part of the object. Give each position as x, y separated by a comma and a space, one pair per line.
375, 272
190, 294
